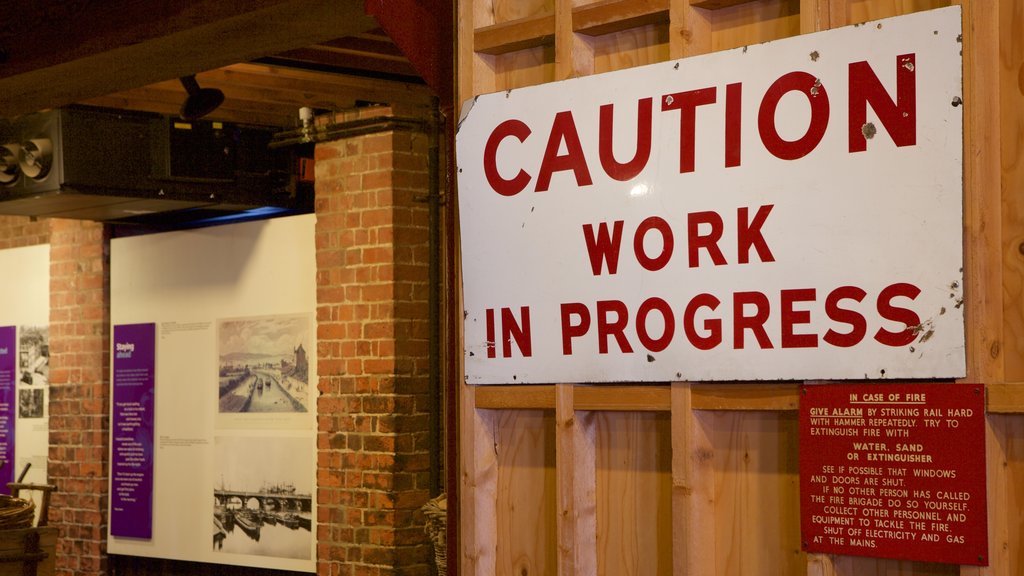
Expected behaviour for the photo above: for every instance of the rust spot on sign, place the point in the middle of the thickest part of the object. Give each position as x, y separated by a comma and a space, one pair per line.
815, 56
868, 130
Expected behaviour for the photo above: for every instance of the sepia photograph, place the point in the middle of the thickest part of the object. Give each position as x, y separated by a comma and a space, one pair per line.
263, 364
34, 356
30, 403
263, 496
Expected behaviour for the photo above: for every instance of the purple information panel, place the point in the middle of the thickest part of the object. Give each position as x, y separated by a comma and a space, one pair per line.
131, 492
8, 365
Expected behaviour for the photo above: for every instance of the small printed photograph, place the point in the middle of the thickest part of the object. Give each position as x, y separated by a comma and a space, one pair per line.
263, 364
30, 402
34, 355
263, 499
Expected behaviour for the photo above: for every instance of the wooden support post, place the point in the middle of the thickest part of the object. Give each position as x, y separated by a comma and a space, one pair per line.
1011, 121
983, 243
689, 30
573, 55
693, 491
576, 491
479, 484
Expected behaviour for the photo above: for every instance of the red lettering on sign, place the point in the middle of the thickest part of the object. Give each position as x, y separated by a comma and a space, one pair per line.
810, 87
791, 317
571, 330
489, 320
616, 328
712, 326
858, 326
751, 312
630, 169
563, 129
899, 117
603, 248
905, 315
512, 330
749, 235
516, 129
669, 321
733, 115
755, 322
667, 243
686, 103
709, 241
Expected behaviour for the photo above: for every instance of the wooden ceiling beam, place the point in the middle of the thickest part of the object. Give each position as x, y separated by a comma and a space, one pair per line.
270, 95
319, 86
57, 54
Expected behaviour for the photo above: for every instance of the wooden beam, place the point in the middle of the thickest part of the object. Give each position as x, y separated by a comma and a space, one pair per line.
625, 398
269, 95
126, 43
1006, 398
610, 16
515, 35
515, 397
717, 4
769, 396
746, 396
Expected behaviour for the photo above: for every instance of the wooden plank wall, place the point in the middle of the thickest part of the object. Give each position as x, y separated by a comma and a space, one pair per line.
690, 478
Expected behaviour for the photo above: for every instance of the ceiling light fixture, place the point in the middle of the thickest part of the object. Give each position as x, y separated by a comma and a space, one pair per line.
200, 101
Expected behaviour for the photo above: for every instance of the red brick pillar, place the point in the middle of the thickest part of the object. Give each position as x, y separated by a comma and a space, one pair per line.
79, 393
372, 241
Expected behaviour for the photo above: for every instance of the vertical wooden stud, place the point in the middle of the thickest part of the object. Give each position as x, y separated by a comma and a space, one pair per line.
982, 220
689, 30
838, 13
983, 238
479, 488
1011, 119
574, 56
576, 493
693, 496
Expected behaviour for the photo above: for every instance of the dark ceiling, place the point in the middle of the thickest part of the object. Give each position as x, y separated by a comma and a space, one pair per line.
268, 57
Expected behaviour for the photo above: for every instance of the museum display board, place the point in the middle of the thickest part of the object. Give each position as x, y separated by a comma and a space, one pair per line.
213, 403
24, 363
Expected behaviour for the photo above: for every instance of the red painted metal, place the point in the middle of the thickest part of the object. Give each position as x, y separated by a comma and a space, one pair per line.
894, 471
424, 31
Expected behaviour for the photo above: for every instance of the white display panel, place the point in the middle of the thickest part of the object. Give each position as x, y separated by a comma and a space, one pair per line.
235, 389
25, 303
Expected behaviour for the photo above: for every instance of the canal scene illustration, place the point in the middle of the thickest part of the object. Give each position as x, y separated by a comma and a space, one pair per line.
263, 364
263, 498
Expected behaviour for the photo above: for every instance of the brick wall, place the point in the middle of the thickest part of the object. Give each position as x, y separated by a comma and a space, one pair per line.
79, 281
18, 232
373, 333
79, 393
374, 457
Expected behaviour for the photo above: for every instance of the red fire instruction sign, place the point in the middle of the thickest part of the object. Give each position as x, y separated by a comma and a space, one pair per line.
894, 471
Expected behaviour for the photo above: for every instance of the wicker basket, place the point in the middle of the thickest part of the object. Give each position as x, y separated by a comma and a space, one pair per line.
436, 511
16, 513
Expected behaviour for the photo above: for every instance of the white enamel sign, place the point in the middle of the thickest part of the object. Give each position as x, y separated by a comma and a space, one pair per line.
785, 211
